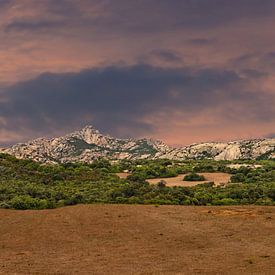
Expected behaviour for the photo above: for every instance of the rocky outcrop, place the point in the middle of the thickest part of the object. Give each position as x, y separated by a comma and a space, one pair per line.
89, 144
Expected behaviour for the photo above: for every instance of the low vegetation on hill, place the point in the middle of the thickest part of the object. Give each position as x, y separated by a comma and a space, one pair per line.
25, 184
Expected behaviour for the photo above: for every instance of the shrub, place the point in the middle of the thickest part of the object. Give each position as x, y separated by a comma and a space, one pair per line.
225, 201
161, 184
194, 177
265, 201
26, 202
237, 178
135, 177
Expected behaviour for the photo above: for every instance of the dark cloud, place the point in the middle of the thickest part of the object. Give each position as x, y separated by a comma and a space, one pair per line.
251, 73
162, 57
4, 3
147, 15
66, 8
32, 25
245, 58
45, 16
118, 99
167, 55
262, 58
200, 41
255, 65
268, 59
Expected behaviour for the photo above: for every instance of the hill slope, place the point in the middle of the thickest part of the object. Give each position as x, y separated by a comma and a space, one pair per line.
89, 144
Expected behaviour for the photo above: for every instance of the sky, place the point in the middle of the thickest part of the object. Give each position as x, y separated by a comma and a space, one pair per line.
181, 71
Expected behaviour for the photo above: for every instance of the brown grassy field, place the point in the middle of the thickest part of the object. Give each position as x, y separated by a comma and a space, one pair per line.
136, 239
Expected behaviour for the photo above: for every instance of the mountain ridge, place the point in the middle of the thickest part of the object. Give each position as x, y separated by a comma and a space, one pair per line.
89, 144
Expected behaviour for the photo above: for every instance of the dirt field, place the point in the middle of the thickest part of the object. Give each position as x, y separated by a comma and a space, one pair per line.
135, 239
217, 178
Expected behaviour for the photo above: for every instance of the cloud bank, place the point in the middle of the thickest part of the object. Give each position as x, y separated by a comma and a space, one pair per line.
122, 100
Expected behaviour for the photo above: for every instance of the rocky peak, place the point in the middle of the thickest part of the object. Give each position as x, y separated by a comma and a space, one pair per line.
90, 135
88, 144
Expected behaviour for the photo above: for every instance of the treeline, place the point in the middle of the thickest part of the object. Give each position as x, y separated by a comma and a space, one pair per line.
25, 184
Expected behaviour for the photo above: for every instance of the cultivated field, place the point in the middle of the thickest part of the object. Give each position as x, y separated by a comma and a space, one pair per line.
136, 239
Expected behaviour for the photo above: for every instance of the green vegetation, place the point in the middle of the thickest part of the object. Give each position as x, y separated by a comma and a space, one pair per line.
80, 145
194, 177
25, 184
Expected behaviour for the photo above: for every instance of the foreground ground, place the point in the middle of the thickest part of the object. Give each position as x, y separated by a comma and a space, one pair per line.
127, 239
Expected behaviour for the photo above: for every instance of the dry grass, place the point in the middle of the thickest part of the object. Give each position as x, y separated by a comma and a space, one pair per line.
136, 239
217, 178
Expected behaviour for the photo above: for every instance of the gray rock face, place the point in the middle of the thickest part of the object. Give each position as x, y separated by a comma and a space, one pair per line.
88, 144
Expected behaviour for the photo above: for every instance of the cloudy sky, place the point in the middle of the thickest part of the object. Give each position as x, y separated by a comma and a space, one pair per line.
182, 71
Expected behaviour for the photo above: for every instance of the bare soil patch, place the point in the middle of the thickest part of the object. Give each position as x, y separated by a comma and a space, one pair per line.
217, 178
136, 239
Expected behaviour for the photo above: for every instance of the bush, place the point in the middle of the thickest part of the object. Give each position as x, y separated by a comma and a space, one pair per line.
161, 184
237, 178
27, 202
225, 201
135, 177
265, 201
194, 177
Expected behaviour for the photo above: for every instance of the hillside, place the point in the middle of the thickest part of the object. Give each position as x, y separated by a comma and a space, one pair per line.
89, 144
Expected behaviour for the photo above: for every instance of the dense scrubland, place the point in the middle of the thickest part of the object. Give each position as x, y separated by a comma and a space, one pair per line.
25, 184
